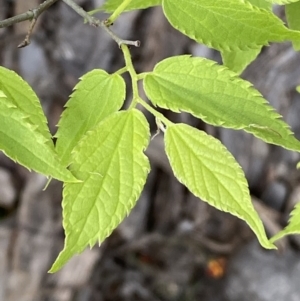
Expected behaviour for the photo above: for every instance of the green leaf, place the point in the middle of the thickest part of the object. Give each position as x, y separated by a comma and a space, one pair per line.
111, 163
111, 5
292, 12
226, 24
24, 98
96, 96
216, 95
210, 172
282, 2
261, 3
293, 227
22, 142
238, 60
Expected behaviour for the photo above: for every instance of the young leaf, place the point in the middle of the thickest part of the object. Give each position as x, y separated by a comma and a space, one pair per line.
22, 142
216, 95
210, 172
238, 60
110, 161
293, 227
111, 5
292, 12
23, 97
226, 24
96, 96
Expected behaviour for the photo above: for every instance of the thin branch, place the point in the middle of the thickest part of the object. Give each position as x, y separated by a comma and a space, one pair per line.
29, 15
81, 12
96, 22
119, 41
26, 41
33, 14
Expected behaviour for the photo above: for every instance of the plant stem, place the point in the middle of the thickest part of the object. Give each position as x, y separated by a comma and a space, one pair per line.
154, 112
142, 75
117, 12
121, 71
136, 98
133, 75
29, 15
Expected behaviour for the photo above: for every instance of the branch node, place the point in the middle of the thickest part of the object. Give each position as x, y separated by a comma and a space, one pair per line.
108, 22
136, 43
35, 13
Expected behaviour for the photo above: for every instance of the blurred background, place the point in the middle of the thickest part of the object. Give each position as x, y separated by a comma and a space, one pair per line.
172, 247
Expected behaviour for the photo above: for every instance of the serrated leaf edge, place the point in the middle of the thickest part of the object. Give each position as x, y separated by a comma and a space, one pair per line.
132, 201
286, 231
35, 102
243, 185
242, 83
69, 102
218, 46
